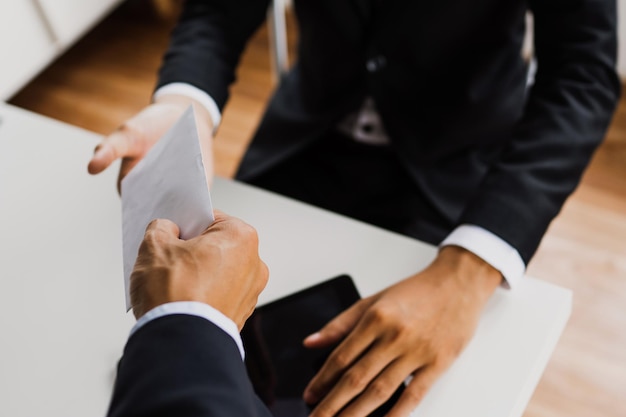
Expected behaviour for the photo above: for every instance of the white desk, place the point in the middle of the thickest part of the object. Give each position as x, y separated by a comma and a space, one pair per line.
62, 325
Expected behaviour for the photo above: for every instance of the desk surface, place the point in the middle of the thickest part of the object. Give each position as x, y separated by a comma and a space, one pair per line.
62, 316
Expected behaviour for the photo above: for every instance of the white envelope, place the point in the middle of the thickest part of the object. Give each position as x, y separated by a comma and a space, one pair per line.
168, 183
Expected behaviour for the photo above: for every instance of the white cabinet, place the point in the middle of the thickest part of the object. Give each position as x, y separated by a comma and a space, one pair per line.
26, 45
33, 32
69, 19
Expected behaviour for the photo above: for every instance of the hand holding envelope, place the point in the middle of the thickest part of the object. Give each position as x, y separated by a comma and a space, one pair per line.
168, 183
137, 135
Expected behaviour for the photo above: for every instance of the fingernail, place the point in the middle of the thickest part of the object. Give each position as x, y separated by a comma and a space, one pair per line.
313, 338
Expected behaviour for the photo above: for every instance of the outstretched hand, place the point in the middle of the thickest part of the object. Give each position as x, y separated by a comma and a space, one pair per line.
132, 141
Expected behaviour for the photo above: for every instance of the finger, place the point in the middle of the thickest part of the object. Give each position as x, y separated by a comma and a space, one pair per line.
264, 275
415, 391
217, 212
379, 390
337, 328
162, 231
344, 355
237, 229
356, 380
126, 166
219, 215
158, 233
120, 144
220, 220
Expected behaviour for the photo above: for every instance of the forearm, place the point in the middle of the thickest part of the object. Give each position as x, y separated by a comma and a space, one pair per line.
567, 113
207, 43
184, 366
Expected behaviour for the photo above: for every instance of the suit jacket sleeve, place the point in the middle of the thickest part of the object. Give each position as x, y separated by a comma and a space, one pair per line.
181, 365
567, 113
207, 43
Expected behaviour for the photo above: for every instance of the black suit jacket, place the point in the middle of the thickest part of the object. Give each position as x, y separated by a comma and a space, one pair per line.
183, 366
449, 81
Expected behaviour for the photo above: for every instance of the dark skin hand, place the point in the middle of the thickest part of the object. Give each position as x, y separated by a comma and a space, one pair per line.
416, 328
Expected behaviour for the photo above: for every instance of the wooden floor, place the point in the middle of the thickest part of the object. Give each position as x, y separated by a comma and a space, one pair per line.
110, 74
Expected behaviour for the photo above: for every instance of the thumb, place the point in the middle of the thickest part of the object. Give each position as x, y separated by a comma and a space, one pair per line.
162, 231
336, 329
119, 144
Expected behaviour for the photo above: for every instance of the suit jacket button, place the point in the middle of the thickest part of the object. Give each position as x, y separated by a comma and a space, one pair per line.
376, 63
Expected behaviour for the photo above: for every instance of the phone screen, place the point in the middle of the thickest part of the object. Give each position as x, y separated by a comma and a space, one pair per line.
279, 366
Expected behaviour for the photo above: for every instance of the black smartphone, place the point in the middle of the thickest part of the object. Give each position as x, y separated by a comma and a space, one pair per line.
279, 366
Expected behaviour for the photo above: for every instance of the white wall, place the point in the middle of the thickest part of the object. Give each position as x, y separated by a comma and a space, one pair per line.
621, 4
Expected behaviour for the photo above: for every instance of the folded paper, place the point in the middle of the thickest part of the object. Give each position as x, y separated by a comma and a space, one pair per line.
168, 183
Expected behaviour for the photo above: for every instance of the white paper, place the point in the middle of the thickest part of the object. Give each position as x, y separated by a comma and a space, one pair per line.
168, 183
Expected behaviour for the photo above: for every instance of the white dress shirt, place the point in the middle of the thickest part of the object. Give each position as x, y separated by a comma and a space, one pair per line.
364, 126
193, 308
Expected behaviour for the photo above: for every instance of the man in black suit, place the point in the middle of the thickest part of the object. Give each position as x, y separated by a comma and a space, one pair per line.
414, 116
191, 299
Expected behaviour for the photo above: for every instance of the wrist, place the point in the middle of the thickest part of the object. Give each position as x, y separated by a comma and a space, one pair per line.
181, 101
470, 271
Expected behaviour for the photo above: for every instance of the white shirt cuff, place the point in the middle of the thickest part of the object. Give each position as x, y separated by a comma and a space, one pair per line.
490, 248
197, 309
188, 90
